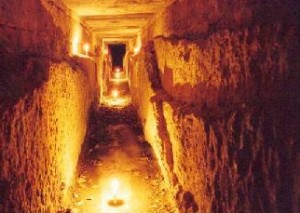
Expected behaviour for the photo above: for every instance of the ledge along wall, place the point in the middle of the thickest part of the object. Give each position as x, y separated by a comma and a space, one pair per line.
45, 96
217, 87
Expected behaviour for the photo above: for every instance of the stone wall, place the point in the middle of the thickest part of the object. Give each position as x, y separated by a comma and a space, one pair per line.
41, 136
145, 83
225, 117
45, 96
40, 27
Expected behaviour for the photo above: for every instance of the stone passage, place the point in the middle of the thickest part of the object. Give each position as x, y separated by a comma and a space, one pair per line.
216, 88
115, 152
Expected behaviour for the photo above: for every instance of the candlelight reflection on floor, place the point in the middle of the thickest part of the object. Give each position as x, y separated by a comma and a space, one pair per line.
117, 171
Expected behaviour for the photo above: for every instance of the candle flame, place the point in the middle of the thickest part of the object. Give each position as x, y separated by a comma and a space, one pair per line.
115, 93
86, 48
115, 186
137, 50
105, 51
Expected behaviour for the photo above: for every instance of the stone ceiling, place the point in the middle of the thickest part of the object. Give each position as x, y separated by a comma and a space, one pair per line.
116, 18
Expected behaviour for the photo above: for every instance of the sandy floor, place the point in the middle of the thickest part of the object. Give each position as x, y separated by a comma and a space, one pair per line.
117, 171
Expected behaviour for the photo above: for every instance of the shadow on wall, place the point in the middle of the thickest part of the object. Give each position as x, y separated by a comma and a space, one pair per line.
19, 76
186, 201
238, 150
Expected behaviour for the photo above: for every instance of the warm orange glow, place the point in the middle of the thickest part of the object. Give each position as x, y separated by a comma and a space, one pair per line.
117, 75
115, 93
105, 51
115, 186
69, 119
75, 43
118, 102
118, 80
86, 48
138, 45
76, 38
115, 201
115, 197
136, 50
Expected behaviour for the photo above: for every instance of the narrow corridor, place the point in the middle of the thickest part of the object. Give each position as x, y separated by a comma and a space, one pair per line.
149, 106
115, 152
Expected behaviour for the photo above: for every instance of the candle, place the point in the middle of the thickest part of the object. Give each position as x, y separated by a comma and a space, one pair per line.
115, 201
115, 187
115, 94
105, 51
86, 48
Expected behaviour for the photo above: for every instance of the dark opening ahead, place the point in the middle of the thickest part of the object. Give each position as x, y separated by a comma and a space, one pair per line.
117, 52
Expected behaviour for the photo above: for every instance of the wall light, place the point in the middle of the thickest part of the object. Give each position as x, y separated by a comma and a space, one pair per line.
138, 44
136, 50
76, 32
86, 48
75, 43
105, 51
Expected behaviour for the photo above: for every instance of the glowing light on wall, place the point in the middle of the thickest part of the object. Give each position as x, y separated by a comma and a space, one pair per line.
86, 48
138, 44
136, 50
76, 38
75, 43
105, 51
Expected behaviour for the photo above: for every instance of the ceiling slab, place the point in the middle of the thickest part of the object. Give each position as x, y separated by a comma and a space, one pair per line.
114, 7
117, 18
119, 21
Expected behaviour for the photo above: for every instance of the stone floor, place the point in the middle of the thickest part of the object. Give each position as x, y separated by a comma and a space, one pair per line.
117, 166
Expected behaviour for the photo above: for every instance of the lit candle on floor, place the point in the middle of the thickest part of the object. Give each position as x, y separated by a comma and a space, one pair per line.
115, 94
115, 187
117, 75
115, 201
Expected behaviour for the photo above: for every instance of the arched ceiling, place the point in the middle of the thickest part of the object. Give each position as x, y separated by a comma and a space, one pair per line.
119, 19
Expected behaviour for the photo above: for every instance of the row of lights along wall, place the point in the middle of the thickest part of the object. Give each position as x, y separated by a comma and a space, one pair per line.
75, 48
